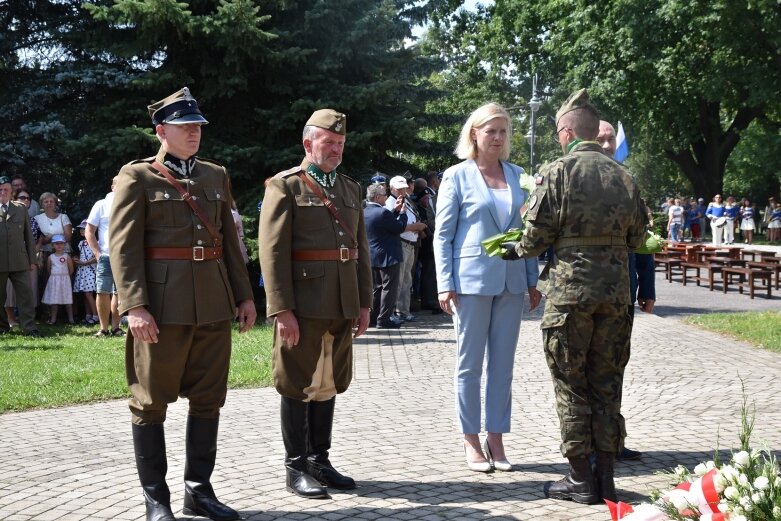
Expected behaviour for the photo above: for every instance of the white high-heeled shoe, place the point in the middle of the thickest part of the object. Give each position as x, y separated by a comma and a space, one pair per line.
477, 466
501, 464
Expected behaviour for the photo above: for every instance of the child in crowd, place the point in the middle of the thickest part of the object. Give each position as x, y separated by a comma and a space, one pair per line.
85, 278
58, 288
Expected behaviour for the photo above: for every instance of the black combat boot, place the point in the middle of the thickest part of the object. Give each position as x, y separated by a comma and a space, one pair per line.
149, 445
577, 486
294, 434
604, 475
201, 447
321, 420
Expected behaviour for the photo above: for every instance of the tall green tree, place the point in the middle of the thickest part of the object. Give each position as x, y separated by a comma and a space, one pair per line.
686, 77
77, 76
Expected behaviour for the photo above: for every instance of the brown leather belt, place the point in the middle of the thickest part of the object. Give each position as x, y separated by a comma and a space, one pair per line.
196, 253
342, 255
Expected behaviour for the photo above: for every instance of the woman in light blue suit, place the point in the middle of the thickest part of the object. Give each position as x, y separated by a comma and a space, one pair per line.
478, 198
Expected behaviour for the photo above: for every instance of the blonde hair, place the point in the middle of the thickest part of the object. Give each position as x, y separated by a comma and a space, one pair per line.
466, 149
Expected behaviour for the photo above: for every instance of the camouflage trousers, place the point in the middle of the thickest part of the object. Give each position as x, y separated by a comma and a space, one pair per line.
587, 349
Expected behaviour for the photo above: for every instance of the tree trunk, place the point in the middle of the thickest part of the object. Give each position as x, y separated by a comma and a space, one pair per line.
704, 161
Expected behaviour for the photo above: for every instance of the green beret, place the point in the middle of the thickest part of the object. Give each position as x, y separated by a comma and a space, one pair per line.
577, 100
179, 108
329, 120
5, 180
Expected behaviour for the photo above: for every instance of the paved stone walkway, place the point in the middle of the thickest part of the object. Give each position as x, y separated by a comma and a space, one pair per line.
395, 432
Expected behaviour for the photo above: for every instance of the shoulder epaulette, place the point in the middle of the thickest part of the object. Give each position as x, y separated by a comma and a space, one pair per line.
207, 160
349, 178
289, 171
145, 160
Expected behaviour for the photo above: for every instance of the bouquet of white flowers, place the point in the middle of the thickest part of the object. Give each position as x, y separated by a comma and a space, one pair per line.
747, 488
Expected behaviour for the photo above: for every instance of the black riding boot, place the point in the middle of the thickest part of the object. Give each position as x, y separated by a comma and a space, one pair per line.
321, 420
578, 485
199, 498
604, 475
149, 445
293, 414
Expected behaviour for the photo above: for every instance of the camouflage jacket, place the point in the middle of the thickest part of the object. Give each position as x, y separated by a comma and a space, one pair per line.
588, 207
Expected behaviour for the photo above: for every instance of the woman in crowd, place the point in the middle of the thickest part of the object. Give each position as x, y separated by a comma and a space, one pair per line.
715, 213
51, 223
774, 222
747, 221
675, 221
478, 198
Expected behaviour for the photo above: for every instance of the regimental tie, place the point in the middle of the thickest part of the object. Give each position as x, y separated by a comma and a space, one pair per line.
3, 212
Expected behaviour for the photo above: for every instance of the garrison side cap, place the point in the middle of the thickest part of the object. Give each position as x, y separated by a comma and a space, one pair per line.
328, 119
577, 100
179, 108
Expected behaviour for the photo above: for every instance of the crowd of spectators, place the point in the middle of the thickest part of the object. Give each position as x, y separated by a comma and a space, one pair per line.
400, 220
689, 218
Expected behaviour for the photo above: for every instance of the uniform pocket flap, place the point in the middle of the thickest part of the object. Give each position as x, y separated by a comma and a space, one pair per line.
308, 200
156, 272
158, 194
216, 195
551, 319
308, 270
468, 251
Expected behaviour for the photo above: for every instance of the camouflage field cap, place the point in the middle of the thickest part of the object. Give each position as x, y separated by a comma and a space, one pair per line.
577, 100
180, 108
330, 120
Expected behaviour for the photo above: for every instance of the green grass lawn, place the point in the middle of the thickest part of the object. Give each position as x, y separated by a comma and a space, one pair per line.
762, 329
70, 366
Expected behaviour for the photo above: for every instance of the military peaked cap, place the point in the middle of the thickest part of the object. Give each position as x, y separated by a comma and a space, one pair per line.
330, 120
179, 108
577, 100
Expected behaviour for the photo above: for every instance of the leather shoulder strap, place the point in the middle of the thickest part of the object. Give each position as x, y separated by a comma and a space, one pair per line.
189, 200
330, 206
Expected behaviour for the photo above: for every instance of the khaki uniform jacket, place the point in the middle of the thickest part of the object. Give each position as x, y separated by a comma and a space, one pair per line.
581, 197
17, 247
148, 212
294, 218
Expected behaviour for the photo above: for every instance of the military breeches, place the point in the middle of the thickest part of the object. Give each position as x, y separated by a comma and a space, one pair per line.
187, 361
586, 347
320, 366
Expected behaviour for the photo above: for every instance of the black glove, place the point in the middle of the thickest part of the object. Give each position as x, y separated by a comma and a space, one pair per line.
510, 253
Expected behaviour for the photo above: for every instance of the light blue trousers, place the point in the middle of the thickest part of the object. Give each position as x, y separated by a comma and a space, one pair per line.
487, 329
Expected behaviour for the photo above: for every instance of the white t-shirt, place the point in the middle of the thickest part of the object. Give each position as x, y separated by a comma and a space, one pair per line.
676, 213
390, 204
98, 217
52, 227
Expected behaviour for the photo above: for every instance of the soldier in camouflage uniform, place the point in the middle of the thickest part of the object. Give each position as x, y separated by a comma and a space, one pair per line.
588, 207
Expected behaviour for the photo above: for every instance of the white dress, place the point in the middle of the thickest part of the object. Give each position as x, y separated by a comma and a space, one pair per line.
58, 289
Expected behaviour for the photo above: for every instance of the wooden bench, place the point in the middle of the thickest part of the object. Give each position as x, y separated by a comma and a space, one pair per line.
769, 266
697, 276
747, 278
668, 266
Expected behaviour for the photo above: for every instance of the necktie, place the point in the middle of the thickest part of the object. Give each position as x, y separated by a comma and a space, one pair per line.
3, 211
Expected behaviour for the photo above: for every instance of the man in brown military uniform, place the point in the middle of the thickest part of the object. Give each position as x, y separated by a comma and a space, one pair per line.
588, 207
317, 274
17, 258
181, 280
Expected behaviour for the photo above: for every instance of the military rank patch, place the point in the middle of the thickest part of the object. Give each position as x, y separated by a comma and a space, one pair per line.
538, 179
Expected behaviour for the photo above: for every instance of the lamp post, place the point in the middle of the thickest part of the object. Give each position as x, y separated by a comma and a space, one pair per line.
534, 106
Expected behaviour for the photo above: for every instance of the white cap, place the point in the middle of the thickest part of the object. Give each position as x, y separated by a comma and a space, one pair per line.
398, 182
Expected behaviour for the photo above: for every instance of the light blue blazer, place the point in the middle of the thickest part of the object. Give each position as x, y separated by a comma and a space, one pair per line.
466, 215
